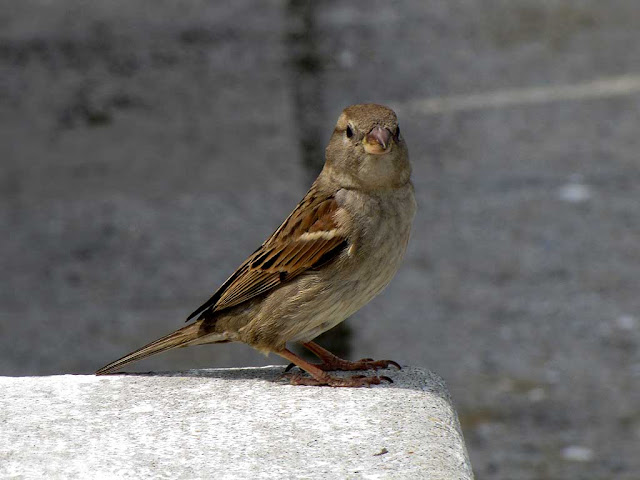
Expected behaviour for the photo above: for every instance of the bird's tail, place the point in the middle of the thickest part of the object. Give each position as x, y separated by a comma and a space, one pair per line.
188, 335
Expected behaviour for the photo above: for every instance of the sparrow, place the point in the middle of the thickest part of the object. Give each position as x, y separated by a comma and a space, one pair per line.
335, 252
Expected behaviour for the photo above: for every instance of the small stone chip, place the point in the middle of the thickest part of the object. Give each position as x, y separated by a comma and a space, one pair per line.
381, 452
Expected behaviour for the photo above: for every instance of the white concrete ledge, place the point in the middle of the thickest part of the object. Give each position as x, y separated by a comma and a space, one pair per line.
228, 423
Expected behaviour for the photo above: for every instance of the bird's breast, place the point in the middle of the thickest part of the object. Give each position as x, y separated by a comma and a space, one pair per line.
382, 228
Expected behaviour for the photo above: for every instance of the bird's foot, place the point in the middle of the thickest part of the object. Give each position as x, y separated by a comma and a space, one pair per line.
331, 362
338, 364
363, 364
355, 381
320, 377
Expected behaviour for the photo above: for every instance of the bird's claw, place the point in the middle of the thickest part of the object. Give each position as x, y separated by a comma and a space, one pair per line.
395, 364
363, 364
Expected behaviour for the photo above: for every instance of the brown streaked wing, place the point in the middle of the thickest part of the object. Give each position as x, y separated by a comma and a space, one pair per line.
309, 237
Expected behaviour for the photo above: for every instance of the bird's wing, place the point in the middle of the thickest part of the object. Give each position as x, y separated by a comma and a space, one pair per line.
308, 238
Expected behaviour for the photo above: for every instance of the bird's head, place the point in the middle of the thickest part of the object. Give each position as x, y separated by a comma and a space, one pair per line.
366, 150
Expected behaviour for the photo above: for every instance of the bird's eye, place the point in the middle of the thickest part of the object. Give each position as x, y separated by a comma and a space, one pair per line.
349, 132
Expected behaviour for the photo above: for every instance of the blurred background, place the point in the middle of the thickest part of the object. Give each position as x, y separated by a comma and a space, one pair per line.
147, 147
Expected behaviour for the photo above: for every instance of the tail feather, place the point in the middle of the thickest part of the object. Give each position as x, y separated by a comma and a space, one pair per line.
180, 338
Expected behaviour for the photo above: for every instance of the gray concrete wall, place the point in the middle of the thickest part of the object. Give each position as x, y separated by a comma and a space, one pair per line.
146, 147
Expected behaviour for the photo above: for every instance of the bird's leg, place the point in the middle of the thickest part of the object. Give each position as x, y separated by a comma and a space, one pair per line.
320, 377
332, 362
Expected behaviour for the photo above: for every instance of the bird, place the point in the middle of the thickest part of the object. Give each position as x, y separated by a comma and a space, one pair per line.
337, 250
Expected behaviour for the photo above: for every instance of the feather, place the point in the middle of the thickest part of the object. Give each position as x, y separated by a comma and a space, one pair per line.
310, 236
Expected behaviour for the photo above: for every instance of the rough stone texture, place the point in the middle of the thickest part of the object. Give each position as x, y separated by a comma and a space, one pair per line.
228, 423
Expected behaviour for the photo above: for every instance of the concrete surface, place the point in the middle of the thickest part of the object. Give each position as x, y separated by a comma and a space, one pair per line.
228, 424
147, 147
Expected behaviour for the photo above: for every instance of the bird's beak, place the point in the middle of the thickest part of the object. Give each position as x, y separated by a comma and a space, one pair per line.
377, 141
